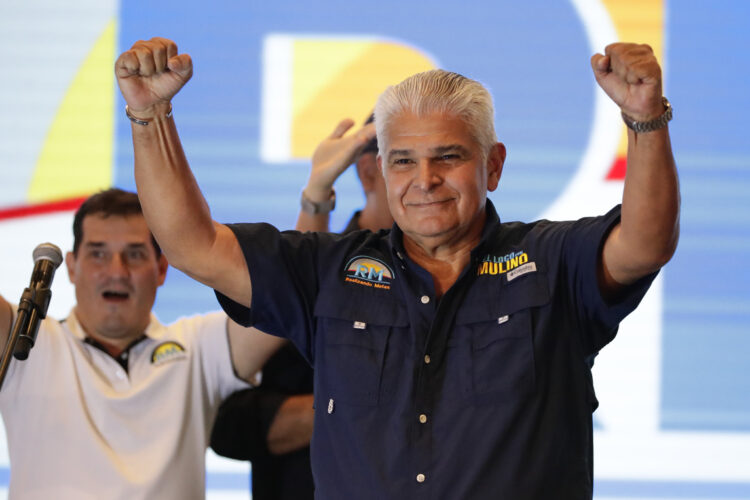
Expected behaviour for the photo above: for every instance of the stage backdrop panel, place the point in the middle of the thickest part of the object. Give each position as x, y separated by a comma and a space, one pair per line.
273, 78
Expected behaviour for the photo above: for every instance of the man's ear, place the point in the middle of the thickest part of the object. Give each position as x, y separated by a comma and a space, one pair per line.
495, 162
163, 266
70, 263
367, 170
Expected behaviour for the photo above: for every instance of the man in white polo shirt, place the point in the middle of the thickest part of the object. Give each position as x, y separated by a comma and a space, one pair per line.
111, 403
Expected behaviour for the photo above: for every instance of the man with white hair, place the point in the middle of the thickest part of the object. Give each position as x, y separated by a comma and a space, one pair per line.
452, 354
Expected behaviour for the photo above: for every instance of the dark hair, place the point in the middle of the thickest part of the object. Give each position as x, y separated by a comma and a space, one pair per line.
372, 145
113, 201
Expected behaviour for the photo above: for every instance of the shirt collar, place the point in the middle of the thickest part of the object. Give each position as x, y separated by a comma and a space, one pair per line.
490, 229
124, 356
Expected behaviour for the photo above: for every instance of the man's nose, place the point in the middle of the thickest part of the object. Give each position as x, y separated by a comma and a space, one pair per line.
118, 266
427, 175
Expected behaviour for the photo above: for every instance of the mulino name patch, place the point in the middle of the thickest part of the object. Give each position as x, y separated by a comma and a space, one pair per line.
494, 265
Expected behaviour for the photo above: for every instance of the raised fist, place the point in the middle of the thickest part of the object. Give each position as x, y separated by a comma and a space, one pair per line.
151, 73
631, 77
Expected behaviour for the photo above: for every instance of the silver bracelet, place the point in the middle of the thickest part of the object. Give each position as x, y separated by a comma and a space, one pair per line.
144, 122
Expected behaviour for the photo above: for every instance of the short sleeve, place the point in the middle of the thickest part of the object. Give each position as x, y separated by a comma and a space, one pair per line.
211, 341
580, 256
284, 272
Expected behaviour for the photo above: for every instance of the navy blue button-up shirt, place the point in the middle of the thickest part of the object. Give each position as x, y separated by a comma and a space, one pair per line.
485, 393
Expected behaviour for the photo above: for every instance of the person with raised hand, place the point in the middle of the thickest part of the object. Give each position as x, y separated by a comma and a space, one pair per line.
111, 403
452, 354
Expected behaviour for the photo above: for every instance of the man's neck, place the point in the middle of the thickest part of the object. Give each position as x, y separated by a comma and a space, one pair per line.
444, 260
113, 345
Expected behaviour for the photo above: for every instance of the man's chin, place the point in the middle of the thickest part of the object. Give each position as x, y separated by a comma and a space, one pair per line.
118, 318
118, 329
432, 232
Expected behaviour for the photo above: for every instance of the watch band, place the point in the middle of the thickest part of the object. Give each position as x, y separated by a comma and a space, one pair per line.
314, 208
651, 125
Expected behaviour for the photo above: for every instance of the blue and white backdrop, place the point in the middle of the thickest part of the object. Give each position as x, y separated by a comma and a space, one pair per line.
273, 78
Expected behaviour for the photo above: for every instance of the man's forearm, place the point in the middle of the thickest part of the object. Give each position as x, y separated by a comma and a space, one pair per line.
178, 215
250, 349
647, 235
291, 428
649, 227
174, 208
149, 74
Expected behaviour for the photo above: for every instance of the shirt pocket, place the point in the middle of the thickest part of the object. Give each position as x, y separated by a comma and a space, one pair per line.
354, 335
500, 333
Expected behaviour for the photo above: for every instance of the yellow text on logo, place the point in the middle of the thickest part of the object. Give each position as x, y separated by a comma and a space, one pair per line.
498, 266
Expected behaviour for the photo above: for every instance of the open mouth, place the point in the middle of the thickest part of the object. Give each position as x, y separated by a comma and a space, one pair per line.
115, 296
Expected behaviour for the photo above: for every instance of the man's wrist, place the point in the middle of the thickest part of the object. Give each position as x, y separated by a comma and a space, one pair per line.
642, 126
314, 203
145, 116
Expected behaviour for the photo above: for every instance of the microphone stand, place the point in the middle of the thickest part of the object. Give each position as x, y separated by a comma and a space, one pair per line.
34, 302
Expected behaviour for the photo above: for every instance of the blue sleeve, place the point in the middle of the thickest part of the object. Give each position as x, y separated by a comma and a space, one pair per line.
580, 257
284, 273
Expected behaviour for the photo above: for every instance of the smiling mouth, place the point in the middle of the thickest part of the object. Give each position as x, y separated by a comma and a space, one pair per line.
428, 204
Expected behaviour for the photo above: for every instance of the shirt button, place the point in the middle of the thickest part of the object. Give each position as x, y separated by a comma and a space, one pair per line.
427, 359
420, 478
423, 419
425, 299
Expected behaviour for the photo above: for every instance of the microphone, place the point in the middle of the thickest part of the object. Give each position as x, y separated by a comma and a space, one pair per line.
35, 299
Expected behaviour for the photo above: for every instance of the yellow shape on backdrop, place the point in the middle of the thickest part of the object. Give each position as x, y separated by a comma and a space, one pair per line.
336, 79
638, 21
317, 63
76, 158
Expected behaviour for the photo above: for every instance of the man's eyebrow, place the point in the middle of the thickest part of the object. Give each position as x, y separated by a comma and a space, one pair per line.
399, 152
450, 148
102, 244
140, 244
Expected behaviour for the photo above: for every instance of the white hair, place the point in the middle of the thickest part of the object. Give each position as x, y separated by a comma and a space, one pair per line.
439, 91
